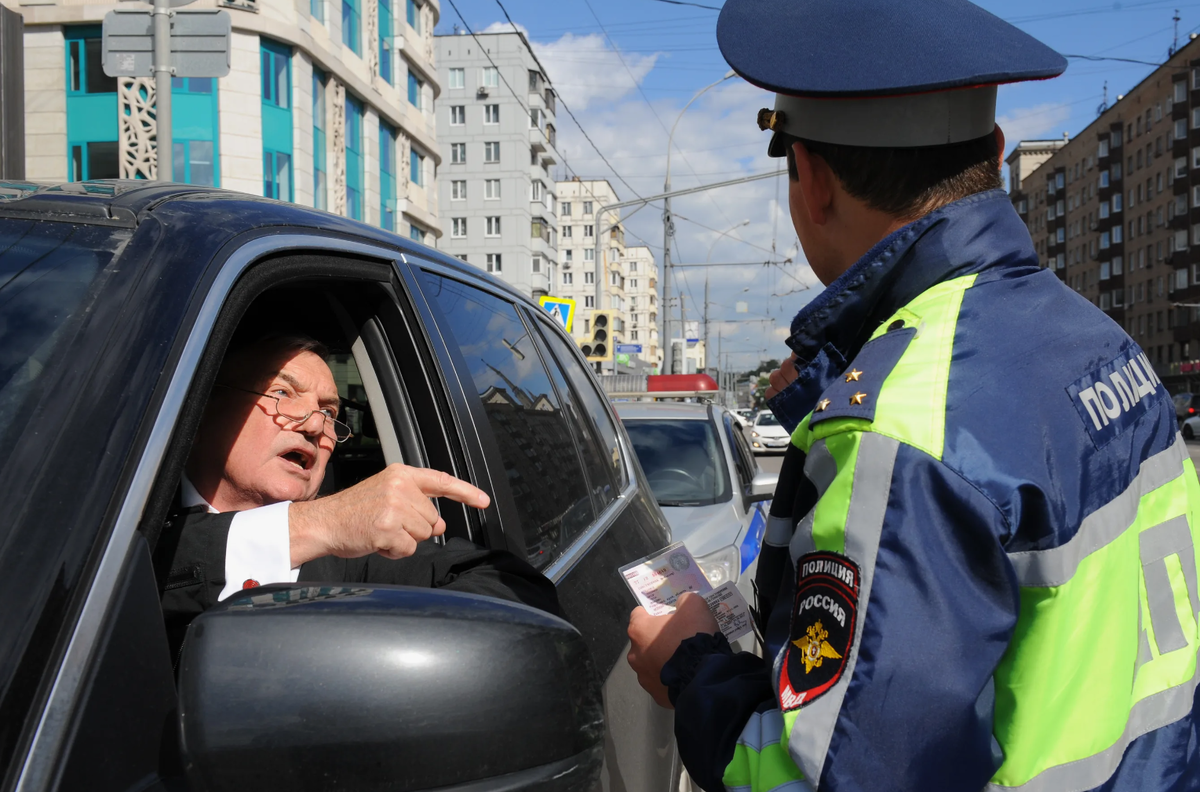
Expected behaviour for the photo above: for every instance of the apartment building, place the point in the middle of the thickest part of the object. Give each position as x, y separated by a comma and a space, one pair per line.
328, 103
1115, 213
641, 298
496, 131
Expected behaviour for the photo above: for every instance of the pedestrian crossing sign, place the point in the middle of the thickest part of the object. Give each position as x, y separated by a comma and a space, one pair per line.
561, 309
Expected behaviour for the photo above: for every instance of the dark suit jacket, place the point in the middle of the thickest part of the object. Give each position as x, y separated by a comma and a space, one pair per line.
197, 571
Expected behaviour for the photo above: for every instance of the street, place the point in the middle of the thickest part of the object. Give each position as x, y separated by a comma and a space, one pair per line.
1194, 452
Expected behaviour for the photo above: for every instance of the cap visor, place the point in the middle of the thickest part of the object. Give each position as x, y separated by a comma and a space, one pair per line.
778, 146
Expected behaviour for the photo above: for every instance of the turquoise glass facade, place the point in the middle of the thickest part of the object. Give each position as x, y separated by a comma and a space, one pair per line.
387, 177
386, 31
351, 17
195, 132
92, 108
354, 158
320, 183
414, 90
277, 120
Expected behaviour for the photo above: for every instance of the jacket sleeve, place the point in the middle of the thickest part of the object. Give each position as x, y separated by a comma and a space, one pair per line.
196, 574
908, 703
459, 565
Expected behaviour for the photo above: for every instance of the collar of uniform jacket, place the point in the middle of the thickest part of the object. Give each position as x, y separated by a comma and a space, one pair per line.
973, 235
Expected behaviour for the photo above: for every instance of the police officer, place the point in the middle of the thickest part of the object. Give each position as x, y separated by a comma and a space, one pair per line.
980, 566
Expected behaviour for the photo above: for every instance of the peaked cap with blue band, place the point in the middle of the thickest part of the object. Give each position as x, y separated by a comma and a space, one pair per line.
879, 72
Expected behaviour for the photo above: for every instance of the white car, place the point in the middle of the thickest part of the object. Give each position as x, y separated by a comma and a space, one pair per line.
767, 434
707, 482
1191, 428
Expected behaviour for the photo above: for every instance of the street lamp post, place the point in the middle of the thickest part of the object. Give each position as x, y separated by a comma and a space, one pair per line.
668, 362
707, 259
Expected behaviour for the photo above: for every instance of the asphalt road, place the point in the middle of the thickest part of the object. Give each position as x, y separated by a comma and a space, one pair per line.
1193, 452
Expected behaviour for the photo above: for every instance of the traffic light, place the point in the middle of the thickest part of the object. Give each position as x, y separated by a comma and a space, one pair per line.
599, 346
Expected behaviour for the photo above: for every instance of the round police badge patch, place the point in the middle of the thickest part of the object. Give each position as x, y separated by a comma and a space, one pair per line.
823, 619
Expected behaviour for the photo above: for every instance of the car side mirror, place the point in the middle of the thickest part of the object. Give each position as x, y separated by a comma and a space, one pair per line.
763, 486
307, 687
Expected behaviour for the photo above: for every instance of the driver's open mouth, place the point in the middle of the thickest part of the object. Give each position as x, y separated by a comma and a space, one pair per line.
298, 459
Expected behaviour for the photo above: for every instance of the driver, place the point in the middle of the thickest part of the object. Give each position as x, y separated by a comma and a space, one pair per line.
249, 513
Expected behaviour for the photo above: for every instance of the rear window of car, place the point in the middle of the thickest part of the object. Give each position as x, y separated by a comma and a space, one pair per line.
683, 460
766, 419
49, 274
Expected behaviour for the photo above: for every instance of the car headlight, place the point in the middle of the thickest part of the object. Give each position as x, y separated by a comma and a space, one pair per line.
723, 566
754, 434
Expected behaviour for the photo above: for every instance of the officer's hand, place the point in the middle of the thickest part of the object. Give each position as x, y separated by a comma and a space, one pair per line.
783, 376
653, 639
387, 514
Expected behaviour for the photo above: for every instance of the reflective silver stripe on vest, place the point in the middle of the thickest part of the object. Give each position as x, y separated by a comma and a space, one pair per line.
821, 469
1153, 712
813, 727
1056, 566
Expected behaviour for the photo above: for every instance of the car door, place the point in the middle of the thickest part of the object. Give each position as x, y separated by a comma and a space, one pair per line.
568, 496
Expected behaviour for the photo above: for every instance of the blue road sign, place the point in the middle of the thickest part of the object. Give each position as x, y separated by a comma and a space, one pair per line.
629, 349
561, 309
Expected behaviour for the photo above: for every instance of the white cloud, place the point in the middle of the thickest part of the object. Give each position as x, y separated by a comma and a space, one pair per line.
504, 27
1031, 123
585, 70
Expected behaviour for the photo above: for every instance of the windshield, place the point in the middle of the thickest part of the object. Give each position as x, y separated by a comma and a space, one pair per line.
766, 419
46, 273
683, 460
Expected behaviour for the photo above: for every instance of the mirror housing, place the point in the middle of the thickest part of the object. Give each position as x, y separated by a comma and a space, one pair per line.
763, 486
310, 687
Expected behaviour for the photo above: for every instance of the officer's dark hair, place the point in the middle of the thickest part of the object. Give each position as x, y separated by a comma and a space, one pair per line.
909, 182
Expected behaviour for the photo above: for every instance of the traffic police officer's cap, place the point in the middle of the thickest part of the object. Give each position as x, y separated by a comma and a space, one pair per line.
876, 73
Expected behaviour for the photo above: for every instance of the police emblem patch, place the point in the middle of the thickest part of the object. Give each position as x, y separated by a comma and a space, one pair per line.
823, 620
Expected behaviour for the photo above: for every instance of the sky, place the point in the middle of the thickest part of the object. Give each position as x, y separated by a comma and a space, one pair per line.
626, 69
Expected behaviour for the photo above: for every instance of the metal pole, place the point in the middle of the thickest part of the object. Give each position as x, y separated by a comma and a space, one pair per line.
669, 360
706, 321
162, 89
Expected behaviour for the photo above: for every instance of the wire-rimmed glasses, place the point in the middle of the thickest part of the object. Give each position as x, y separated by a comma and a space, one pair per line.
290, 409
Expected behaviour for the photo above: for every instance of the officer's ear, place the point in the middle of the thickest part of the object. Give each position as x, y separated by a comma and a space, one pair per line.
815, 180
1000, 145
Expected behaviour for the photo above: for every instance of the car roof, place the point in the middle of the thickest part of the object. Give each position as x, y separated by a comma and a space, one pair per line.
183, 210
633, 411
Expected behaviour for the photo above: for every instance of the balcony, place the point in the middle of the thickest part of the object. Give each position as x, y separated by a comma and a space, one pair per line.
537, 140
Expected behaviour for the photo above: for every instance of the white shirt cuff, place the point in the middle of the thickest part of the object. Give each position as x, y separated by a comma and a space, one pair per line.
258, 549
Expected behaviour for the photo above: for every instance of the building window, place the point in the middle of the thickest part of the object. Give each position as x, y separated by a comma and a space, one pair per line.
589, 230
491, 77
413, 12
1104, 210
566, 209
1103, 151
536, 264
316, 8
1116, 202
417, 234
1117, 232
458, 190
458, 78
587, 208
1180, 167
589, 254
387, 177
354, 158
589, 278
92, 124
458, 227
276, 120
568, 256
1105, 240
567, 232
568, 279
416, 168
589, 301
1060, 235
350, 25
415, 88
458, 115
385, 40
1104, 179
491, 152
194, 157
493, 227
494, 263
491, 189
1181, 239
491, 114
458, 153
318, 112
535, 190
1105, 270
1118, 263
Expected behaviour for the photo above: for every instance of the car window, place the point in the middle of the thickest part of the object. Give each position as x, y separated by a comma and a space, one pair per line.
683, 460
525, 413
766, 419
743, 457
46, 273
598, 409
361, 456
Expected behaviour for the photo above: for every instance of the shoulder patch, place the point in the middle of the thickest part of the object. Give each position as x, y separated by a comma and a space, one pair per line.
822, 632
854, 394
1113, 397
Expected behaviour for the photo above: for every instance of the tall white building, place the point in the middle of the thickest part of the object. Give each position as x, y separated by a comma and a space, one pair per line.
497, 137
328, 103
641, 300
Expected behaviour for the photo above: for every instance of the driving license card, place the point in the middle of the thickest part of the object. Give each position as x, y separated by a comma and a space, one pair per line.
658, 580
729, 608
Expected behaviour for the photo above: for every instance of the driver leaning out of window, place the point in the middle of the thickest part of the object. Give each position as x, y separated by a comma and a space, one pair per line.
250, 514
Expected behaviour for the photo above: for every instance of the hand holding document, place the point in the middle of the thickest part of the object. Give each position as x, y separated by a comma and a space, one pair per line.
660, 579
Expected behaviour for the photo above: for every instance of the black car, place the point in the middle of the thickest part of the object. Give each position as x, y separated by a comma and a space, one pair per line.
117, 301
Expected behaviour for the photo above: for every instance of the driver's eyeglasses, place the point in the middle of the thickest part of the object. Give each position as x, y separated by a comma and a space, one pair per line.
297, 416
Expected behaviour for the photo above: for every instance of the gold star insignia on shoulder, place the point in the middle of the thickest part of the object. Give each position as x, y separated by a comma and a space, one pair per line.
853, 375
858, 398
822, 405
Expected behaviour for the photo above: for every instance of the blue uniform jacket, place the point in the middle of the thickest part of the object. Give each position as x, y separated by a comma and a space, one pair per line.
918, 712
